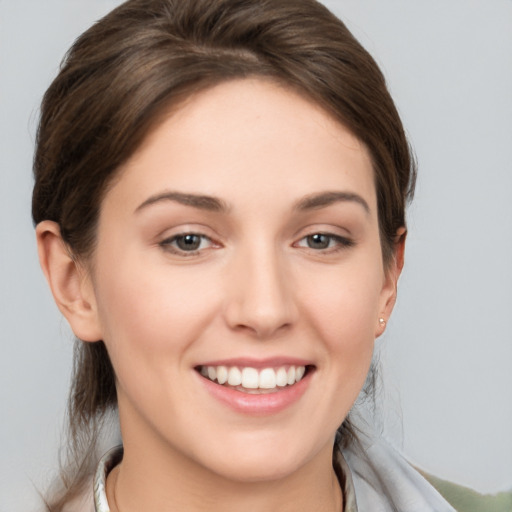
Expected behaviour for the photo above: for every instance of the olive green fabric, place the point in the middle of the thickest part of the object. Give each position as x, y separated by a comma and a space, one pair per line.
464, 499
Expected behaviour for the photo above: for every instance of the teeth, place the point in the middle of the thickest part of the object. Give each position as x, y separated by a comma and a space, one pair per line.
222, 374
267, 378
281, 377
251, 378
212, 372
234, 377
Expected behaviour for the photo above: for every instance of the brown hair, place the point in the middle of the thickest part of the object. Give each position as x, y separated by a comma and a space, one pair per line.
118, 81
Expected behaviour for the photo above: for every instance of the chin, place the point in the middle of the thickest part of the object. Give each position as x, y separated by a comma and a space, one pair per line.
259, 460
247, 470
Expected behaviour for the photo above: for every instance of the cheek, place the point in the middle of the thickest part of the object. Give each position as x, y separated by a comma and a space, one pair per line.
340, 311
148, 308
343, 309
344, 303
347, 328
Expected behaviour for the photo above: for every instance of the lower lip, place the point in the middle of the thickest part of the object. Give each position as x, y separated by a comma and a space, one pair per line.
258, 404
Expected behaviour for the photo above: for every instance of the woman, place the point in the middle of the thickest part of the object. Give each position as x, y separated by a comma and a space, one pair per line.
220, 206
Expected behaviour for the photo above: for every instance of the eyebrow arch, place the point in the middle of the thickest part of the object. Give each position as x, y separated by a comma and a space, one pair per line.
202, 202
323, 199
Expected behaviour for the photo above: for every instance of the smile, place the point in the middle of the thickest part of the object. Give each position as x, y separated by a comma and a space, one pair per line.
252, 380
256, 387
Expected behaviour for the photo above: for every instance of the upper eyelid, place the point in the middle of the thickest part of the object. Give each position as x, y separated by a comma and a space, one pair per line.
184, 233
333, 236
187, 229
173, 236
324, 229
203, 231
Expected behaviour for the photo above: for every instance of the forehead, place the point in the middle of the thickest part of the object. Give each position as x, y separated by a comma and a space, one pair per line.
249, 136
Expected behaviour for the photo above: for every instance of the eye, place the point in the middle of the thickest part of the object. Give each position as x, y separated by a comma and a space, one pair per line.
186, 243
324, 241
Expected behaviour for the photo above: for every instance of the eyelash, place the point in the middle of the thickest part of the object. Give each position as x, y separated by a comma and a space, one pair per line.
340, 243
168, 244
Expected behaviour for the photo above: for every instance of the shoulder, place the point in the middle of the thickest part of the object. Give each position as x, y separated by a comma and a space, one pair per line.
468, 500
384, 481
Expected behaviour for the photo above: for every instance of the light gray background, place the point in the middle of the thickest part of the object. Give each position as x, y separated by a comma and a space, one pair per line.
448, 349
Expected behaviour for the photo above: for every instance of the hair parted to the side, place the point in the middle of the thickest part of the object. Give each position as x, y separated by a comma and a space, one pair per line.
122, 77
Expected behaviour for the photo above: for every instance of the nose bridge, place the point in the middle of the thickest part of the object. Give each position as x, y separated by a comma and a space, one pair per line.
261, 297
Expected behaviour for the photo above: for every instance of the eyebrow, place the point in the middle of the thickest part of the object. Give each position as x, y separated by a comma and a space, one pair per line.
214, 204
324, 199
202, 202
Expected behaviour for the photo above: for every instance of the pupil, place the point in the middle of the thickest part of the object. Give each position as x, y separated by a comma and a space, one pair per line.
188, 242
318, 241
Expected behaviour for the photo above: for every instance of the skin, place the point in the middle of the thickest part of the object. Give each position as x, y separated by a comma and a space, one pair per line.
256, 287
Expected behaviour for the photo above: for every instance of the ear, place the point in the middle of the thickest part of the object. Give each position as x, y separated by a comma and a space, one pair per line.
69, 282
389, 289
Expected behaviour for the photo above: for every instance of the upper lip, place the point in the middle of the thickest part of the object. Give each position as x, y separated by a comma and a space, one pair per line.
251, 362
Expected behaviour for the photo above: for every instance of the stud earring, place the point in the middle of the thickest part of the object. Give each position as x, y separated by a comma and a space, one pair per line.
382, 322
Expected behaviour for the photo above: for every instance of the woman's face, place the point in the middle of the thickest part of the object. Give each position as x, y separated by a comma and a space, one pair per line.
241, 241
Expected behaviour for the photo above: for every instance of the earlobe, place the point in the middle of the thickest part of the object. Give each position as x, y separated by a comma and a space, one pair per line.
70, 286
389, 290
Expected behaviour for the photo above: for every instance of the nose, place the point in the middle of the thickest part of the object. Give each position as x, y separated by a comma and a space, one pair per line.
260, 298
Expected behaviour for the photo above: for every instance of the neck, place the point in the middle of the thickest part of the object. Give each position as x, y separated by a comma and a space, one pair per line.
150, 479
